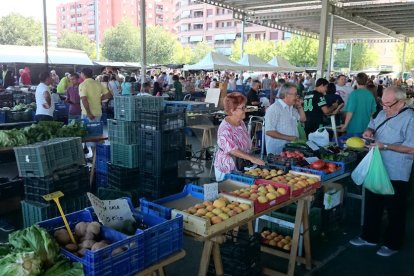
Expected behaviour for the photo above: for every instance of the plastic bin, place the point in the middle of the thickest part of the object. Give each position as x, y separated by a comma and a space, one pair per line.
94, 129
123, 132
157, 163
101, 180
101, 166
127, 107
156, 187
121, 177
125, 155
103, 261
103, 152
44, 158
191, 106
324, 176
161, 141
70, 182
10, 188
3, 116
161, 120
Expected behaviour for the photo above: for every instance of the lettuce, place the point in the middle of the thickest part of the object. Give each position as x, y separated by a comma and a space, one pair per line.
65, 268
21, 263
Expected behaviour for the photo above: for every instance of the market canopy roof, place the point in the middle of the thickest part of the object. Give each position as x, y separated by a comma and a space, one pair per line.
215, 61
381, 20
281, 64
255, 64
35, 54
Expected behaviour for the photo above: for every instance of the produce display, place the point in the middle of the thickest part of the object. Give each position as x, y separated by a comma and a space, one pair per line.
267, 174
320, 165
21, 107
261, 193
276, 240
32, 251
87, 236
219, 210
355, 142
40, 132
296, 181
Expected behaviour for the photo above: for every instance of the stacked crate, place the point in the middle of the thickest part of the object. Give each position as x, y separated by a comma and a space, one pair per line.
103, 155
54, 165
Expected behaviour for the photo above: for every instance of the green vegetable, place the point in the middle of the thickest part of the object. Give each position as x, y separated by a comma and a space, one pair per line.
5, 249
38, 240
65, 268
21, 264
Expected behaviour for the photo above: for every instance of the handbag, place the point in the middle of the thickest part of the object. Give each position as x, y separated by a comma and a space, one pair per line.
320, 137
242, 163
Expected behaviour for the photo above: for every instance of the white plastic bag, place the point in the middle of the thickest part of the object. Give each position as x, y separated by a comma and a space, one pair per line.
320, 137
361, 171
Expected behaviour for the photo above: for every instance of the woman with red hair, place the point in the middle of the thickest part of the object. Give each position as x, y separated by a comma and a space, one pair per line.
232, 137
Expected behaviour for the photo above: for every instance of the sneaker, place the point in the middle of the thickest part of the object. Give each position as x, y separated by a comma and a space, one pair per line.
5, 226
361, 242
385, 251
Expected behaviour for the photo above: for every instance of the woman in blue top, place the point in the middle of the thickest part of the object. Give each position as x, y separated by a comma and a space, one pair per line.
126, 86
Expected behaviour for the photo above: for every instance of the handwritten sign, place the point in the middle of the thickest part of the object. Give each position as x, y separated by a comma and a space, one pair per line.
210, 191
111, 213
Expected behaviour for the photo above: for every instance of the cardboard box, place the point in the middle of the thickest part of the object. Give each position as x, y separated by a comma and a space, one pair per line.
333, 195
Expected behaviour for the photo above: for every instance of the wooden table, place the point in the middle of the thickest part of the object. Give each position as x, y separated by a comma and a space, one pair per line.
212, 243
159, 267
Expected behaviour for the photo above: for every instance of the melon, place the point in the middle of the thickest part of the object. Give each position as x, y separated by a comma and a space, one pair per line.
355, 142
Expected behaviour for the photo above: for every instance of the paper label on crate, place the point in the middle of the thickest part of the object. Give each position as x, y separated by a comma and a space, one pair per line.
210, 191
111, 213
310, 160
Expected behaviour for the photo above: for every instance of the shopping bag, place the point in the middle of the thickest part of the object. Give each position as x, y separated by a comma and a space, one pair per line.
301, 131
320, 137
377, 179
360, 172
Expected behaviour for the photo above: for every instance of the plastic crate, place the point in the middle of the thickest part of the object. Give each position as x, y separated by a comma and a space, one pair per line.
34, 212
324, 176
94, 129
103, 152
111, 193
125, 155
15, 116
10, 188
103, 262
161, 237
3, 116
123, 132
191, 106
161, 120
121, 177
156, 187
157, 163
44, 158
101, 180
101, 166
70, 182
127, 107
239, 178
161, 141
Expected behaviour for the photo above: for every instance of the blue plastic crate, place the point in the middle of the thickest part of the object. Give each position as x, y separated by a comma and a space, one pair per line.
94, 129
101, 166
322, 174
189, 189
162, 237
103, 152
240, 178
3, 116
154, 209
102, 262
101, 180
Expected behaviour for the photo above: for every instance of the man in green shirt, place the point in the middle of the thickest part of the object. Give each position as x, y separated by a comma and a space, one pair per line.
359, 108
63, 84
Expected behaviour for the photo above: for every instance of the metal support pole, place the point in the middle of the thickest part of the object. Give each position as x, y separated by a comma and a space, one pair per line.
45, 46
323, 27
143, 45
403, 57
350, 58
242, 39
331, 38
97, 34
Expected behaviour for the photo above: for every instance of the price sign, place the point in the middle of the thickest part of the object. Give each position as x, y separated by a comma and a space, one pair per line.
111, 213
211, 191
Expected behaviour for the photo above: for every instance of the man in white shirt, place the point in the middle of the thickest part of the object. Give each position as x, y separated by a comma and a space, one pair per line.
342, 89
45, 105
281, 119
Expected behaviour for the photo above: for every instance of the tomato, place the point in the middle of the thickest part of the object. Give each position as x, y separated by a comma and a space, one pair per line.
331, 165
317, 165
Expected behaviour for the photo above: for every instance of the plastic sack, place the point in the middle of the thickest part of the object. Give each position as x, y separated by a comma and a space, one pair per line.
377, 179
360, 172
301, 132
320, 137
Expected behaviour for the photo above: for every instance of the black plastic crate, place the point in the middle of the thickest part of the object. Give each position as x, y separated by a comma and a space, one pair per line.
156, 187
161, 120
121, 177
10, 188
111, 193
123, 132
155, 163
161, 141
70, 181
125, 155
332, 218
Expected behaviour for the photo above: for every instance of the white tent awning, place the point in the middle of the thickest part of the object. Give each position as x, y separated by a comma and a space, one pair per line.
282, 64
215, 61
255, 64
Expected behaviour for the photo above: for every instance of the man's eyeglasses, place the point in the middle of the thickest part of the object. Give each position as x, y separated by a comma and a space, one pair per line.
242, 108
388, 106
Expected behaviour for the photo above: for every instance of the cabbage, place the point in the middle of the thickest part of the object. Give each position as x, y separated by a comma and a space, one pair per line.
21, 264
38, 240
65, 268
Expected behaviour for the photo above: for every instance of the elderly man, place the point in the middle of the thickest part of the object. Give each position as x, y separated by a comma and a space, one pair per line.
253, 94
342, 89
393, 132
281, 119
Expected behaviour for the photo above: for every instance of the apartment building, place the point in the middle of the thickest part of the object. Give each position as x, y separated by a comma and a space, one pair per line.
196, 21
79, 16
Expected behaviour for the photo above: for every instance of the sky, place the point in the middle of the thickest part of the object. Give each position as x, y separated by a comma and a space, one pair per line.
31, 8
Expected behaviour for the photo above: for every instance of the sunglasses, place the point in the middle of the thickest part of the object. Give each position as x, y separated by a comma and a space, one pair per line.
388, 106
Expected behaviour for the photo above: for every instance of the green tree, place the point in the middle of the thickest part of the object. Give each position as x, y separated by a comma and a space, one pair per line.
72, 40
160, 45
199, 51
264, 49
16, 29
300, 50
409, 54
182, 55
363, 57
121, 43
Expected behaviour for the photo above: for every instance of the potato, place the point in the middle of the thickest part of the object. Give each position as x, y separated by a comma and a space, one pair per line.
62, 237
94, 228
88, 236
80, 229
117, 251
71, 247
99, 245
81, 252
87, 244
